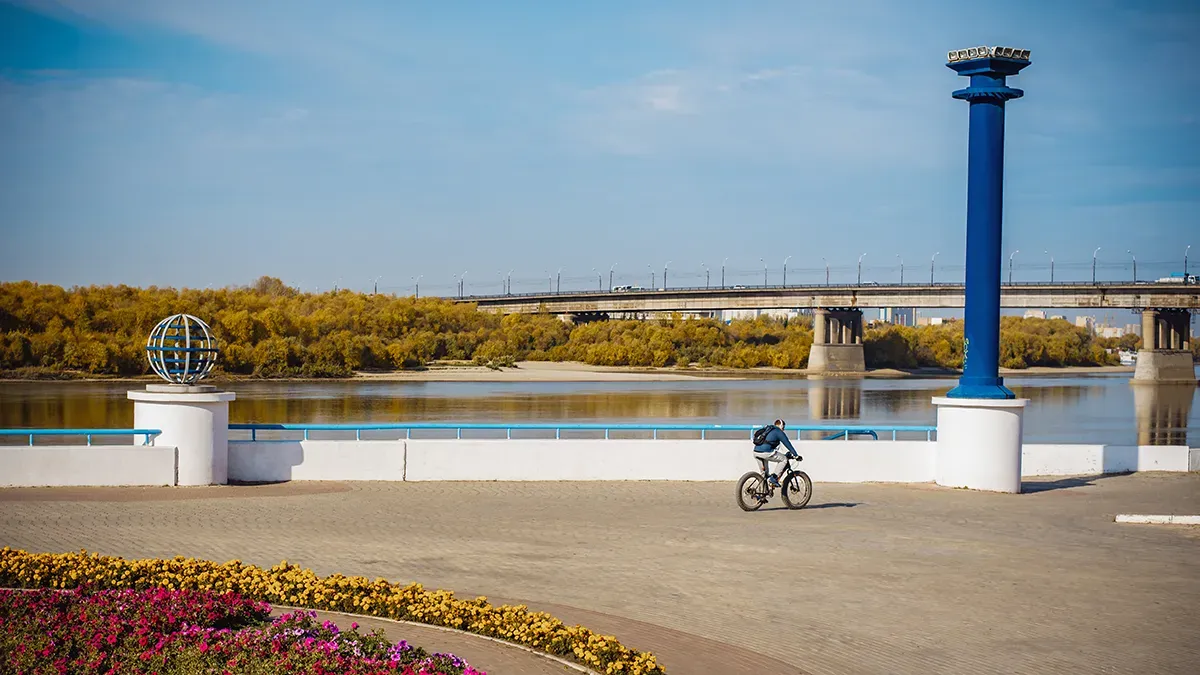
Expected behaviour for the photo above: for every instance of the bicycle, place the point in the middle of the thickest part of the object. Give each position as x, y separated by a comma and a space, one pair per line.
753, 488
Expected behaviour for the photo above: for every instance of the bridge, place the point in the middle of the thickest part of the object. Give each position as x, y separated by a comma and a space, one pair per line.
837, 312
1065, 295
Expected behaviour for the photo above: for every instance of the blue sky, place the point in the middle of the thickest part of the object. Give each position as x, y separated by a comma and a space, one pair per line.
181, 143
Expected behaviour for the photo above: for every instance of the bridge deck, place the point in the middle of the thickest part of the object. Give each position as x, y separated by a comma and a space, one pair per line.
939, 296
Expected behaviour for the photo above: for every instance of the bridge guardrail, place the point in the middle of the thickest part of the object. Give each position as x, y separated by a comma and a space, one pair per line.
149, 434
844, 432
909, 287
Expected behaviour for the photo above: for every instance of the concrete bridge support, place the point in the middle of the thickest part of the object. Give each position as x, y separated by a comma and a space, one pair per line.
837, 342
1165, 356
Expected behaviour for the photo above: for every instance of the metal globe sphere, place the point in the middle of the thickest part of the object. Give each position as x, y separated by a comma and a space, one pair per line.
181, 349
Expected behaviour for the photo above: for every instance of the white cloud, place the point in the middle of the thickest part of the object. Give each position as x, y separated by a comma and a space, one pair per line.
793, 114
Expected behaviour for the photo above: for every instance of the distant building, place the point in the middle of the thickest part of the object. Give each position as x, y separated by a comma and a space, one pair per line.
1088, 322
1058, 317
1110, 331
1034, 314
728, 315
1133, 329
899, 316
930, 321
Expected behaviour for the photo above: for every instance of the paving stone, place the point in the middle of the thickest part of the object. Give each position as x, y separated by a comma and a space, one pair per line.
870, 578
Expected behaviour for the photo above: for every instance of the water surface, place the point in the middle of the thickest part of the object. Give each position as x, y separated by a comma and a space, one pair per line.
1101, 408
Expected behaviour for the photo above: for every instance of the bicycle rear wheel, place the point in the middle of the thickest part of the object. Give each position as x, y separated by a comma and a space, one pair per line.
751, 491
797, 490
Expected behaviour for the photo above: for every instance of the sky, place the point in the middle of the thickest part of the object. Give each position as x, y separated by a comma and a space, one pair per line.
180, 143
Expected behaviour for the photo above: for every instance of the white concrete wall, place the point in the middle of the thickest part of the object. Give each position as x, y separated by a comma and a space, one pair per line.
272, 461
501, 459
1092, 460
577, 460
710, 460
64, 465
826, 461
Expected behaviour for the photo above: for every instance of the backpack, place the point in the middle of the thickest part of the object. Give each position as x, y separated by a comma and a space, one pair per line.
760, 435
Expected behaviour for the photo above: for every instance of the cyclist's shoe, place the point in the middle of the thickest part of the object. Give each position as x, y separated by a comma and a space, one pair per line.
773, 481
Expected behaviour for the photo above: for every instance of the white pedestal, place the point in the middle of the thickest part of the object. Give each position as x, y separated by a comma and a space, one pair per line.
979, 443
194, 421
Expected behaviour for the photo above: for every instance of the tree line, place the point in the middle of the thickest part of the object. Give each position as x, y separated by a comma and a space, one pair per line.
269, 329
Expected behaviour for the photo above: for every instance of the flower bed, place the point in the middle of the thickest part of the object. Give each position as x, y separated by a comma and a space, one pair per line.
132, 632
287, 584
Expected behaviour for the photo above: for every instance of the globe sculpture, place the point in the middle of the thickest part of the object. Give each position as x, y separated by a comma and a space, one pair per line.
181, 349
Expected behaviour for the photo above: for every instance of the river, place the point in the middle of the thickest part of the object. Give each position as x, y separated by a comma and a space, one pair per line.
1095, 408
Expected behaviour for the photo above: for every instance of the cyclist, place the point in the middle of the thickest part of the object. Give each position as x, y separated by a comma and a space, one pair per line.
768, 451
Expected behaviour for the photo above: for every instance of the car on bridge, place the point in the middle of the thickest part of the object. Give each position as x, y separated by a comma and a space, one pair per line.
626, 289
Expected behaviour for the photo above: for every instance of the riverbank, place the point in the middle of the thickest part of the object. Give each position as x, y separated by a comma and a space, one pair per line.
541, 371
546, 371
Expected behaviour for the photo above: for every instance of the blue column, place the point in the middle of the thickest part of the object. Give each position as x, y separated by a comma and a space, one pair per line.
985, 202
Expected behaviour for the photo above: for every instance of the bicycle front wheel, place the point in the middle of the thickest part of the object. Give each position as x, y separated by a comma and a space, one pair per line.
751, 491
797, 490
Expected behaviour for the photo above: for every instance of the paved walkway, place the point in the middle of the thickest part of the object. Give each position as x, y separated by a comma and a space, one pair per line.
490, 656
869, 579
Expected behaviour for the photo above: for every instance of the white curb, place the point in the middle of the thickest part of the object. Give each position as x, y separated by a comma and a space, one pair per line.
1157, 520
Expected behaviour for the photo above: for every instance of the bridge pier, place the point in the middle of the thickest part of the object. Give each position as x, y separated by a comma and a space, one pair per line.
837, 342
1165, 356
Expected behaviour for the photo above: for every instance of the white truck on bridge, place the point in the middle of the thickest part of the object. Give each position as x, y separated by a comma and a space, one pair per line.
1179, 278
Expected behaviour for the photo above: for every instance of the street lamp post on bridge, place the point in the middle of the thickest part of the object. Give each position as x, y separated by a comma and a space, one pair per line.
785, 270
417, 286
610, 276
826, 270
706, 271
599, 280
764, 262
901, 268
931, 262
1010, 265
1051, 266
1134, 264
665, 266
860, 268
723, 273
1094, 264
1185, 254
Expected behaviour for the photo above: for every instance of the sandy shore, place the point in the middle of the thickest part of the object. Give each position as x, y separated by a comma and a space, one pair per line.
541, 371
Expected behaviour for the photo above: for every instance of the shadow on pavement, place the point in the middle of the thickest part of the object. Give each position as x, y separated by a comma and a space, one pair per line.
1045, 485
829, 505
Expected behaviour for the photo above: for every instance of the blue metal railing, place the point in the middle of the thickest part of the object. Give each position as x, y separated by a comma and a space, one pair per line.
88, 433
835, 431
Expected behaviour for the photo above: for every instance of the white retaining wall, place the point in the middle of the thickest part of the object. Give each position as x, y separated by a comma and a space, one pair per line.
502, 459
1094, 460
63, 465
273, 461
709, 460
